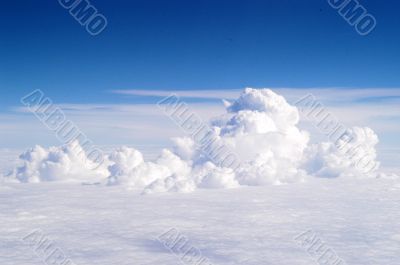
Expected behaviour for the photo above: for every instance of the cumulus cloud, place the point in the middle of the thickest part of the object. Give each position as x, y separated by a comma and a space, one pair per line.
128, 168
68, 163
352, 155
262, 131
260, 127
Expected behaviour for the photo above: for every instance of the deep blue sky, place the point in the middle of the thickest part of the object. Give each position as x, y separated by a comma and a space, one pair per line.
204, 44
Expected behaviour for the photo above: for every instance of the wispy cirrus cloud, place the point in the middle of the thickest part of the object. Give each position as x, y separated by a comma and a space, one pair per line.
198, 94
329, 95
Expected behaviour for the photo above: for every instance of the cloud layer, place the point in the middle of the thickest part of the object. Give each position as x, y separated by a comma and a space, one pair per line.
260, 128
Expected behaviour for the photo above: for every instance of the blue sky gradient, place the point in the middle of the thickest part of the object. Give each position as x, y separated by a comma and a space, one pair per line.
192, 45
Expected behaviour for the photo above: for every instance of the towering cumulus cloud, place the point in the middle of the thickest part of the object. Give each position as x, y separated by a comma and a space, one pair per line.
260, 128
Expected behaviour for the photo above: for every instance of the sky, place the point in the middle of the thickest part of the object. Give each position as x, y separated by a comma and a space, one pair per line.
215, 46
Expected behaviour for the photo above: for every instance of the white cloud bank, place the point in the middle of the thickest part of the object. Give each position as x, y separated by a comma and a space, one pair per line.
260, 127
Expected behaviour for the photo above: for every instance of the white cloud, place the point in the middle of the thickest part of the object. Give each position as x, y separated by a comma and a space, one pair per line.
260, 128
